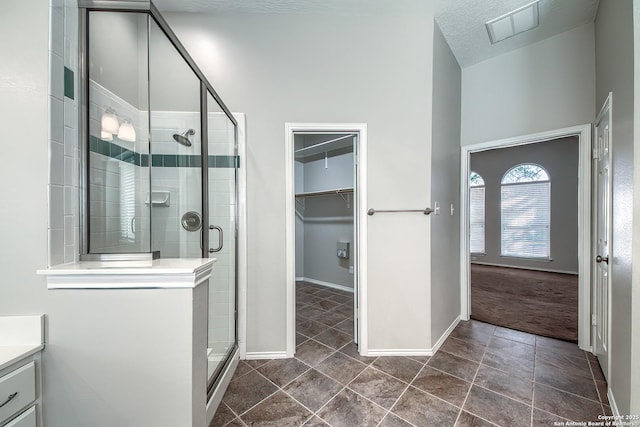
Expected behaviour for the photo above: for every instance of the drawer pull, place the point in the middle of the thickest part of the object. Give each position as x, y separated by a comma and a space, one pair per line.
9, 399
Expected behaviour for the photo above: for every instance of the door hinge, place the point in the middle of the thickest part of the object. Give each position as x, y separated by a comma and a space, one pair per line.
594, 320
595, 153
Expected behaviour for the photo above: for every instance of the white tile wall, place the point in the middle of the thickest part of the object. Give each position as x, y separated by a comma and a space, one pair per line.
63, 141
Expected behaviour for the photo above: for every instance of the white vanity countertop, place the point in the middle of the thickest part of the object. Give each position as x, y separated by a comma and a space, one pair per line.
20, 337
11, 354
156, 274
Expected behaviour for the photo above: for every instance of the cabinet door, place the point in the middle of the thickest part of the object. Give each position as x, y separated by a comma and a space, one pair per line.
17, 390
26, 419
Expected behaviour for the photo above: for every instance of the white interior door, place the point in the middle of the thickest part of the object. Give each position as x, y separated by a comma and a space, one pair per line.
602, 220
354, 252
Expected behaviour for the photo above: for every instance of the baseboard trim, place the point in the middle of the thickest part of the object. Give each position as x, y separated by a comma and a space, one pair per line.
612, 403
416, 352
261, 355
519, 267
325, 284
445, 335
400, 352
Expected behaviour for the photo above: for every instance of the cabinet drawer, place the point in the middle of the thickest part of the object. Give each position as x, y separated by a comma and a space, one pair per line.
26, 419
17, 390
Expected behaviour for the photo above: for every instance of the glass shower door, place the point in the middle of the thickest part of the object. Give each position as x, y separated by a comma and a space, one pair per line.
175, 154
221, 235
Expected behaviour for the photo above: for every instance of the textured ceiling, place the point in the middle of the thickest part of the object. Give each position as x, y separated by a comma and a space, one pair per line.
315, 7
461, 21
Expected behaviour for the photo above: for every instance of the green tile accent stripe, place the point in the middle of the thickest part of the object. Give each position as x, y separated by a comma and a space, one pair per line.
68, 83
115, 151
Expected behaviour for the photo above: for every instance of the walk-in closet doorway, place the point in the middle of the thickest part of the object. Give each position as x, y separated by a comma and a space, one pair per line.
326, 236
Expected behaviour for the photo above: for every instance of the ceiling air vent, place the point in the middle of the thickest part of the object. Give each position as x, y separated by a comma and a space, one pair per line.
515, 22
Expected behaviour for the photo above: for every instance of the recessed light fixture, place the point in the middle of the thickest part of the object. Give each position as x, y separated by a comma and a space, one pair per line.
515, 22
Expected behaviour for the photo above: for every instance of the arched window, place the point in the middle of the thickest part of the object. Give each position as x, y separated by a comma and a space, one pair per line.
525, 208
476, 213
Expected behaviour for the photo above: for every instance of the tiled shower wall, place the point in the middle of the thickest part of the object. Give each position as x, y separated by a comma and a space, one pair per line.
63, 228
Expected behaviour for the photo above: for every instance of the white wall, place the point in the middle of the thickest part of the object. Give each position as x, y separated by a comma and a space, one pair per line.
544, 86
614, 71
560, 159
115, 54
366, 69
635, 331
445, 164
25, 174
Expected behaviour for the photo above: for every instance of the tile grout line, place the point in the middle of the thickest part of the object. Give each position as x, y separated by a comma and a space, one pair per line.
410, 383
403, 391
394, 404
495, 392
568, 392
593, 377
315, 413
533, 382
474, 378
328, 401
235, 415
558, 389
278, 388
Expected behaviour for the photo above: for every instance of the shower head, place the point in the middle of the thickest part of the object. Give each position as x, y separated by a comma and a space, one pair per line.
183, 138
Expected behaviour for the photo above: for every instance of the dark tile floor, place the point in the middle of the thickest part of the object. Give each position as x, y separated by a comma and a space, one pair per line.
482, 375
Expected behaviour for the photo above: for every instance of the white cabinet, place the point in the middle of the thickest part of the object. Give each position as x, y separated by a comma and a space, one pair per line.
21, 345
17, 390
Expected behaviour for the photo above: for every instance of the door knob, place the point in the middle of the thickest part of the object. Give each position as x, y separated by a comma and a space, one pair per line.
599, 259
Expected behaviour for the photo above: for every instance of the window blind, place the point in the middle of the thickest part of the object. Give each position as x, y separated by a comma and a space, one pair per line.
526, 219
127, 201
476, 219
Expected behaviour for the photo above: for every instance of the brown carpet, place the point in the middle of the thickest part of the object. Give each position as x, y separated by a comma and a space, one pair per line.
537, 302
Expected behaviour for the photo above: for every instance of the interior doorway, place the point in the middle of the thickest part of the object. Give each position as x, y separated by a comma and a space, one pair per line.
524, 237
510, 189
325, 256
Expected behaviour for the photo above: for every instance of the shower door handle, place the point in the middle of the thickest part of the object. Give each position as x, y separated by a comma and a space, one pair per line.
220, 239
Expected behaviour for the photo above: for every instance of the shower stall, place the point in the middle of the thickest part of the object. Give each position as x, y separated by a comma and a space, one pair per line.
159, 158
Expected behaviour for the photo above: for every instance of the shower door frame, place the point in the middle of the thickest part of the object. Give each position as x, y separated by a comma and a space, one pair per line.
223, 374
133, 6
360, 225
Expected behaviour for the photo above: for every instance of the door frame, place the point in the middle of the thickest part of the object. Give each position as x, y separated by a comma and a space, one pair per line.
361, 225
583, 132
241, 238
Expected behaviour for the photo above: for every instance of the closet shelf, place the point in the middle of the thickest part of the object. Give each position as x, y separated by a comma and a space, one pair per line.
337, 192
326, 146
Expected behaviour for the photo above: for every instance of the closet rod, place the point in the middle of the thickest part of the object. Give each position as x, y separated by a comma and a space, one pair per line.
426, 211
320, 144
